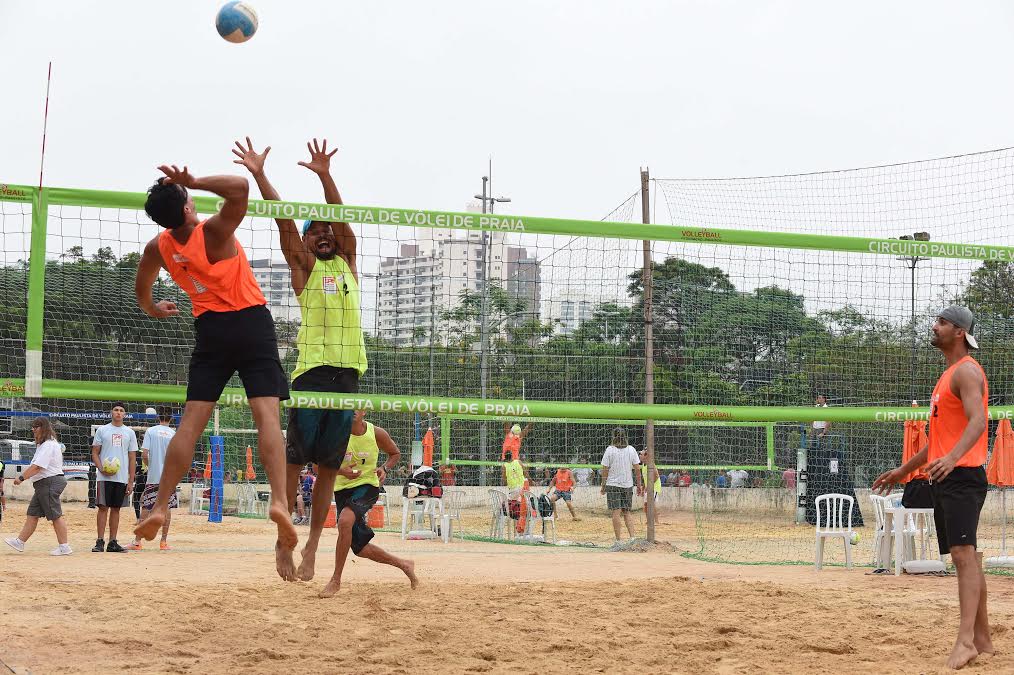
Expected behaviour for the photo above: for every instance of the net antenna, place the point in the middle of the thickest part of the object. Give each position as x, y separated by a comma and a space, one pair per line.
45, 123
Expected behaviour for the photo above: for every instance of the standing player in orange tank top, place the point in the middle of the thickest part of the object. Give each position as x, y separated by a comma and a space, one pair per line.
234, 332
954, 458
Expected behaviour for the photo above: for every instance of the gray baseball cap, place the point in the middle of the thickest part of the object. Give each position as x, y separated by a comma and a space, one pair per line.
962, 318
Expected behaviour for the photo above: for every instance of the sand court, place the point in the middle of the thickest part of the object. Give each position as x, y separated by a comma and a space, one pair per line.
215, 603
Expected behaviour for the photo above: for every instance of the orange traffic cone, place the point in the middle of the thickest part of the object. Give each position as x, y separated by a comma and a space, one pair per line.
250, 473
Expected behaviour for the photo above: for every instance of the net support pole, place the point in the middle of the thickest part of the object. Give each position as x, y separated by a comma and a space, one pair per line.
36, 295
771, 446
217, 479
649, 362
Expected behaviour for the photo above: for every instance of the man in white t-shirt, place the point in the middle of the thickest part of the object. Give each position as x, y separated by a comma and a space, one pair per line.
739, 478
583, 476
820, 428
114, 452
153, 451
618, 478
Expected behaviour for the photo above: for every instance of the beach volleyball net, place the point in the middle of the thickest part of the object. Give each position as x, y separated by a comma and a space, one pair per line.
765, 293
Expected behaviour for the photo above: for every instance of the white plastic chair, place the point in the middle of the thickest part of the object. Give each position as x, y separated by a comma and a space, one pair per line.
246, 498
453, 502
197, 498
499, 522
834, 521
911, 531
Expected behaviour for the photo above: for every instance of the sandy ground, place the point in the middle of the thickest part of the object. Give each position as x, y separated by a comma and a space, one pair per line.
214, 604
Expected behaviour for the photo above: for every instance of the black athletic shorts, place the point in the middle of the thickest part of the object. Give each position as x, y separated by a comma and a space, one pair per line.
321, 436
111, 494
918, 494
227, 342
359, 500
957, 501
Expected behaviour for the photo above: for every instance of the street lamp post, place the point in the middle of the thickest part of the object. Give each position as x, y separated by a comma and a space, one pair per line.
911, 262
488, 201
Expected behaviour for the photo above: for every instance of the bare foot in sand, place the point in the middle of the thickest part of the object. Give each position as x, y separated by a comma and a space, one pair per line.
984, 646
283, 562
305, 571
963, 654
287, 536
409, 570
150, 526
331, 589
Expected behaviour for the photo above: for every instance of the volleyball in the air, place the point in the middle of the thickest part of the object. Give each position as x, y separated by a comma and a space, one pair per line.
516, 429
236, 21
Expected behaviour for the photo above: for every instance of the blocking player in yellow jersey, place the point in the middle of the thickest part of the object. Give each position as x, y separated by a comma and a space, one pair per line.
355, 492
324, 275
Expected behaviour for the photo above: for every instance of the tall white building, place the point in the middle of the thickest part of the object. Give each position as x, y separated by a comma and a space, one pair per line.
568, 314
275, 283
425, 280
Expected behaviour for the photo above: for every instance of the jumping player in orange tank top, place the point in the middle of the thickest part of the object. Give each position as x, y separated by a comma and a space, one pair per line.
234, 332
954, 457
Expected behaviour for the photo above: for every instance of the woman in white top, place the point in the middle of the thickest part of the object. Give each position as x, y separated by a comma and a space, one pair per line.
46, 476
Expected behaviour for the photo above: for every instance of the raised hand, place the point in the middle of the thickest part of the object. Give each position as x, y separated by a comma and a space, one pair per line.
249, 157
177, 176
320, 158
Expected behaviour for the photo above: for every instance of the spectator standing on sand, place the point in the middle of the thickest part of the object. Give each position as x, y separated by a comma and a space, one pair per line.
154, 447
48, 483
619, 472
114, 453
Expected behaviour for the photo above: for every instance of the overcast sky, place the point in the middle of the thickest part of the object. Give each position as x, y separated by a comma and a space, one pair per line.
568, 98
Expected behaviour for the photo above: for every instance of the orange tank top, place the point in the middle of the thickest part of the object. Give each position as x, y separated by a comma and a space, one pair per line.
564, 480
225, 286
917, 429
511, 444
948, 420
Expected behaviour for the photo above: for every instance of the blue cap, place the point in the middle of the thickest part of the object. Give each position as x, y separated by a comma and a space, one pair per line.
306, 226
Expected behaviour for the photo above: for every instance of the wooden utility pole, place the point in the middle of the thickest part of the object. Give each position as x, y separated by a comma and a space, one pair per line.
649, 361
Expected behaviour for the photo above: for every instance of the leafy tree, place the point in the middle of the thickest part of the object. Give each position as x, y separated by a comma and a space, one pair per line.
682, 292
104, 257
990, 289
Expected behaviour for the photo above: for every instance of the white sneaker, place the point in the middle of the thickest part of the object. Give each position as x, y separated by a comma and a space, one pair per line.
15, 543
62, 549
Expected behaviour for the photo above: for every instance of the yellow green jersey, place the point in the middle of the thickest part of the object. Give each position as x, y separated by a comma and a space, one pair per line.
361, 455
644, 478
331, 332
515, 475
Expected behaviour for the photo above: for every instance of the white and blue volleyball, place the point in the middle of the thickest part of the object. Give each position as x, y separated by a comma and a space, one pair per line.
236, 21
